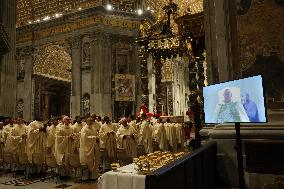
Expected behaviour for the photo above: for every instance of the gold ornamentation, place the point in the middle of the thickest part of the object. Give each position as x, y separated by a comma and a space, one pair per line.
150, 162
195, 6
28, 10
68, 27
167, 71
53, 62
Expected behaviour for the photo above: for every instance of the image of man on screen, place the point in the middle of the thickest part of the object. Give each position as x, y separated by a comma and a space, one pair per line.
229, 110
250, 108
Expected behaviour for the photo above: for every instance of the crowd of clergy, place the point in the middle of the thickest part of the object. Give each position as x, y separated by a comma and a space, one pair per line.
87, 137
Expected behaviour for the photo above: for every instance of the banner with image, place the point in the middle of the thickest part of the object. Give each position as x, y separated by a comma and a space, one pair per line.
124, 87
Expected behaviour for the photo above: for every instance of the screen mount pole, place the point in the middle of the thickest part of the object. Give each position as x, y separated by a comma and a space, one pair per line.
239, 150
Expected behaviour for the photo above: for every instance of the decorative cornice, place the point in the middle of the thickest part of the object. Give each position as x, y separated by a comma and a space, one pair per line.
90, 17
78, 24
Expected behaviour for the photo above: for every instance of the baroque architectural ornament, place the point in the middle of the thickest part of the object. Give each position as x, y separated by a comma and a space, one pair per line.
185, 6
167, 71
53, 62
28, 10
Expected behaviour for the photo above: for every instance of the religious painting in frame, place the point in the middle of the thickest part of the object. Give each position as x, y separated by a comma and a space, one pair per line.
124, 87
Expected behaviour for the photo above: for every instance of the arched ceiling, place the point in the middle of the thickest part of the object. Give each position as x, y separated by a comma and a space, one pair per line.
29, 11
54, 62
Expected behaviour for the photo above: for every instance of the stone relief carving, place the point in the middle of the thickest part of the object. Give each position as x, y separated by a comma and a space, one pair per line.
86, 104
20, 107
21, 68
86, 53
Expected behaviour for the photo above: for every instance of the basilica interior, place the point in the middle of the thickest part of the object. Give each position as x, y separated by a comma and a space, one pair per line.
110, 94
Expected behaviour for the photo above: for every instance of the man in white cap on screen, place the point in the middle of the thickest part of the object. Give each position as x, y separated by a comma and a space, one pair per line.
63, 141
230, 109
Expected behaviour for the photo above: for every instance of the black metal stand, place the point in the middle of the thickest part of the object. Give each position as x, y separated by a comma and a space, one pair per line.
239, 150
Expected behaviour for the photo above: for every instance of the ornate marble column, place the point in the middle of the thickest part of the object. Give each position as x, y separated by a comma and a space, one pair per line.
8, 63
76, 77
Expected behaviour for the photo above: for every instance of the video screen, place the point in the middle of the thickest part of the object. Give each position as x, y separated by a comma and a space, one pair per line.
239, 101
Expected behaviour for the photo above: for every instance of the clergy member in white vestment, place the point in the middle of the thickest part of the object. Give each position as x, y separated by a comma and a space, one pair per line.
89, 147
180, 136
132, 123
96, 124
61, 123
63, 142
50, 137
36, 139
145, 135
171, 135
159, 135
16, 140
7, 129
127, 138
108, 139
76, 129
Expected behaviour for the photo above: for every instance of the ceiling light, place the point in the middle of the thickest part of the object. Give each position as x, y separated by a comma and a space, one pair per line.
139, 12
56, 15
46, 18
148, 8
79, 8
109, 7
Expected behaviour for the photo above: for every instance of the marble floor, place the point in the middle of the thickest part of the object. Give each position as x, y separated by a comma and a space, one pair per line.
9, 181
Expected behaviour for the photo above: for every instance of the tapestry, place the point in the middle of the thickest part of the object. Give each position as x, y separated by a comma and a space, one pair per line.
124, 87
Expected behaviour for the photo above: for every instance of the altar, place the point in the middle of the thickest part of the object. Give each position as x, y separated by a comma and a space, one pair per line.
195, 170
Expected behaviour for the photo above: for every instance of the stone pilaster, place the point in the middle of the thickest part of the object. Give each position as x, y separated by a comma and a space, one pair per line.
27, 96
106, 109
218, 40
8, 62
76, 77
100, 62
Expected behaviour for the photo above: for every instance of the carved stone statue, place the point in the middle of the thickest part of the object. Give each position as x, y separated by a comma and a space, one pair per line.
86, 53
86, 104
20, 107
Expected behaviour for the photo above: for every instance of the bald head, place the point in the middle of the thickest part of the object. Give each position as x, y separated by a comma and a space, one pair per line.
123, 122
227, 95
